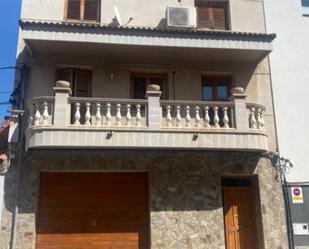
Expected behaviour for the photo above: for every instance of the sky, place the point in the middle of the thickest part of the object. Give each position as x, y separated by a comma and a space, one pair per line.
9, 16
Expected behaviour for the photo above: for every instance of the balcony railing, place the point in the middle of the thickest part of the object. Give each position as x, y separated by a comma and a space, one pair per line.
70, 121
99, 112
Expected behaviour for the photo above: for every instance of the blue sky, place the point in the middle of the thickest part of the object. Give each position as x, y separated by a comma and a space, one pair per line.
9, 15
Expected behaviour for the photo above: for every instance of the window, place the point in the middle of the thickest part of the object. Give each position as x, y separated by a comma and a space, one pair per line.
141, 81
305, 7
216, 88
80, 80
82, 10
212, 14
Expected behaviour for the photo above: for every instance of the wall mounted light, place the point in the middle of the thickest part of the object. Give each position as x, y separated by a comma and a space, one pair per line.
112, 76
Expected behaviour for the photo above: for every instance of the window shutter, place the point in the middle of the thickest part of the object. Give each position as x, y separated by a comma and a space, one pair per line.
219, 21
139, 87
212, 14
73, 9
82, 83
203, 17
91, 10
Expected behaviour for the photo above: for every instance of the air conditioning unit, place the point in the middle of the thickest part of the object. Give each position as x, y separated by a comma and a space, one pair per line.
181, 17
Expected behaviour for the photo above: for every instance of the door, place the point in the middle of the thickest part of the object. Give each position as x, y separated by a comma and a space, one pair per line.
239, 216
93, 210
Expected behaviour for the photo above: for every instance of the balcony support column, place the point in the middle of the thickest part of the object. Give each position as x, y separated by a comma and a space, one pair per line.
153, 95
61, 108
241, 112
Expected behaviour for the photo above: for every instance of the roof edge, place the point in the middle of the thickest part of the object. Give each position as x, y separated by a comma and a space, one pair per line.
211, 33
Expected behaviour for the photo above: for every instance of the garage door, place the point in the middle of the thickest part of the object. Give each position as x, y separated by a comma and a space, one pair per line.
93, 210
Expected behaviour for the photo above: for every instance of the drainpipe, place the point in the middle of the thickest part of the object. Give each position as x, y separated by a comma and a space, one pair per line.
15, 212
288, 213
19, 156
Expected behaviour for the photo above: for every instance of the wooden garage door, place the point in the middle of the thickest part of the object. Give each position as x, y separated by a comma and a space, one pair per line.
93, 210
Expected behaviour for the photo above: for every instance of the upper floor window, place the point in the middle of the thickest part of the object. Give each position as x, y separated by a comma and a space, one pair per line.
212, 14
216, 88
141, 81
82, 10
305, 7
79, 79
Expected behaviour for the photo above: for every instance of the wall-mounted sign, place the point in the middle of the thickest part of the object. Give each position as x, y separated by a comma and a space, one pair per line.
297, 194
301, 228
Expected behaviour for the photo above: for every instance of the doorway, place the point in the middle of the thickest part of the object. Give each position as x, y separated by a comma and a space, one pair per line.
239, 205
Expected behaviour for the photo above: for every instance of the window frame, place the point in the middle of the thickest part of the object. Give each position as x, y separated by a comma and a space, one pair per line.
82, 12
304, 8
202, 4
214, 82
73, 71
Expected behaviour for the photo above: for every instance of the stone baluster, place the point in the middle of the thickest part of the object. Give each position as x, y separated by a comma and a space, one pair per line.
253, 122
168, 116
37, 115
87, 114
45, 113
138, 115
197, 117
225, 117
216, 117
207, 118
98, 116
128, 116
259, 118
118, 115
188, 117
108, 114
262, 120
77, 115
178, 117
31, 114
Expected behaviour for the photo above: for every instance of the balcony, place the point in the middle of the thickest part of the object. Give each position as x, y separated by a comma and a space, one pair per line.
73, 122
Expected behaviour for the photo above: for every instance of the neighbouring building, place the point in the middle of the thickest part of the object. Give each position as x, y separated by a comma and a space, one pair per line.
4, 134
145, 127
290, 79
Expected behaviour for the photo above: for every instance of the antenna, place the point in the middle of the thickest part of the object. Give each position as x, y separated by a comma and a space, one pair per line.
117, 14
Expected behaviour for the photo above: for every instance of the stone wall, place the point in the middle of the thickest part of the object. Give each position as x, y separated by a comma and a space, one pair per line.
185, 194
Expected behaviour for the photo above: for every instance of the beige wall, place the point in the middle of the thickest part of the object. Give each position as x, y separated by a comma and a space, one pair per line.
187, 81
246, 15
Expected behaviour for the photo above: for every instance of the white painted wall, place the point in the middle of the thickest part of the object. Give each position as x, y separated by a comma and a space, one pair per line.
290, 76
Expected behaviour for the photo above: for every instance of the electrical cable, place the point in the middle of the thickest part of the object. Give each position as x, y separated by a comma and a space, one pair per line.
9, 67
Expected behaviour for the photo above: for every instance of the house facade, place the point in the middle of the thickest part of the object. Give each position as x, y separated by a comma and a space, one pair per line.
145, 126
290, 52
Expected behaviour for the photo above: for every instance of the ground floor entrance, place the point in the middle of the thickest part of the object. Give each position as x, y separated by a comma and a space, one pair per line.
93, 210
239, 214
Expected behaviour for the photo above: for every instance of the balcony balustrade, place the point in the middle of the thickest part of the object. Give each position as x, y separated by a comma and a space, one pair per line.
64, 121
